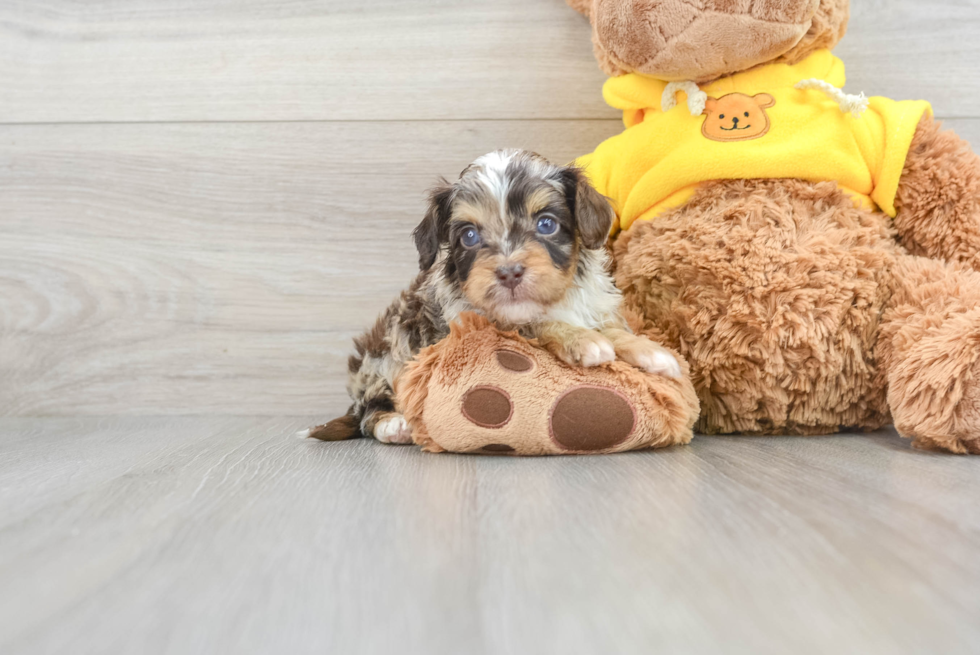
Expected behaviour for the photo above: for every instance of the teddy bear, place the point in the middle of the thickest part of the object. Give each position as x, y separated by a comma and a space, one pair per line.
813, 255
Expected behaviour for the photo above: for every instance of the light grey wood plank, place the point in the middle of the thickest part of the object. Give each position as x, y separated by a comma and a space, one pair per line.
910, 50
311, 59
380, 59
207, 535
196, 269
215, 268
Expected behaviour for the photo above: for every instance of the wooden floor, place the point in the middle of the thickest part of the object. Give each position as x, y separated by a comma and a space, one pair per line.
226, 535
202, 201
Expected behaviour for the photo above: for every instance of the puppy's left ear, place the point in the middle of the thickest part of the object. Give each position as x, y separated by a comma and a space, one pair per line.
593, 214
433, 229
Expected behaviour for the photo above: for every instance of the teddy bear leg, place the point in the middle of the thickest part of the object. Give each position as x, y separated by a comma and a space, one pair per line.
938, 199
929, 350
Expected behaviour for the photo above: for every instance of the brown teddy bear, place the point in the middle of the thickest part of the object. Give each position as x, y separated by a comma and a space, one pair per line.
812, 254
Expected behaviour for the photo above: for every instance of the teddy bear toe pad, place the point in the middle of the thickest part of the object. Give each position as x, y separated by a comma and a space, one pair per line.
514, 361
488, 407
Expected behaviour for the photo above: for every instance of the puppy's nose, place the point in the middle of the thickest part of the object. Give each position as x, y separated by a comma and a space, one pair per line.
510, 276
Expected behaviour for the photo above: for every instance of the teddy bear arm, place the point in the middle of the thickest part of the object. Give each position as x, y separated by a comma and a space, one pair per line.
938, 199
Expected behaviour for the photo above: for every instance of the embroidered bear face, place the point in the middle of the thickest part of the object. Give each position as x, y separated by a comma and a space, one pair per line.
737, 117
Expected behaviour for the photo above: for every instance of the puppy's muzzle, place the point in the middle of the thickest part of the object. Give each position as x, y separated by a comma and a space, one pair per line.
510, 276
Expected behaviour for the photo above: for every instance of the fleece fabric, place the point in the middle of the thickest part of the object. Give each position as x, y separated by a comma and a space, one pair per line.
483, 391
781, 132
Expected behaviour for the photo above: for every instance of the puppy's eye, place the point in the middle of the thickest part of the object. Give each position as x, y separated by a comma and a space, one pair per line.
470, 238
547, 225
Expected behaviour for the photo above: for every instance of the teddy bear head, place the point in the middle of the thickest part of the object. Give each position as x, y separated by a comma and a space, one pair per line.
702, 40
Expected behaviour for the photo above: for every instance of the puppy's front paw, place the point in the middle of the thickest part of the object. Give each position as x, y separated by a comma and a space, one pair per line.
645, 354
394, 429
588, 348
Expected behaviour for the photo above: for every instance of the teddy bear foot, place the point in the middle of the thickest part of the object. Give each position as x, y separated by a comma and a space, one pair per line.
489, 392
934, 393
954, 429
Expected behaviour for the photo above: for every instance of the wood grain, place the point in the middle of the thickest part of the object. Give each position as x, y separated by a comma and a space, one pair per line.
201, 202
187, 60
226, 535
175, 269
215, 60
201, 269
909, 50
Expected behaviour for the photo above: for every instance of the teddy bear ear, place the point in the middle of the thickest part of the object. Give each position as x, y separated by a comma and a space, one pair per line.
710, 104
764, 100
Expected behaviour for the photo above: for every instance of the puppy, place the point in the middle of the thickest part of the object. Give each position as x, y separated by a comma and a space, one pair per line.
522, 242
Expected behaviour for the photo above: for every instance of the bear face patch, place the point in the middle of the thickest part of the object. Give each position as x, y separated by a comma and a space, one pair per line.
737, 117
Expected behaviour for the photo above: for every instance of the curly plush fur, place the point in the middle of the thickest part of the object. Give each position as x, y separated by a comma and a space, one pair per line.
929, 353
800, 313
773, 292
938, 200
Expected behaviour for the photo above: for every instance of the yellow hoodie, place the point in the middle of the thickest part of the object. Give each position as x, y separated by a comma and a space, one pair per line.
756, 125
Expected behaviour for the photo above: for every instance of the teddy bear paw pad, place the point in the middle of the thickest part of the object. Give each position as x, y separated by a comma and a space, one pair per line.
488, 407
514, 361
591, 418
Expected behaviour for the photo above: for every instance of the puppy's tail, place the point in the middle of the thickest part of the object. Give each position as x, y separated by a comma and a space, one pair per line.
347, 426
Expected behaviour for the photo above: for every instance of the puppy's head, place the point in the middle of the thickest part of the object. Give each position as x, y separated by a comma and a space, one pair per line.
510, 231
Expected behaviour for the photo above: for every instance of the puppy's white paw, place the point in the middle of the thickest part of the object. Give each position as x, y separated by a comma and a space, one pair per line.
662, 363
393, 430
304, 434
590, 349
645, 354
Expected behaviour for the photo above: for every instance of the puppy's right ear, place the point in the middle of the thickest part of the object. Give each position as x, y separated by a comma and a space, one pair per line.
593, 214
434, 228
